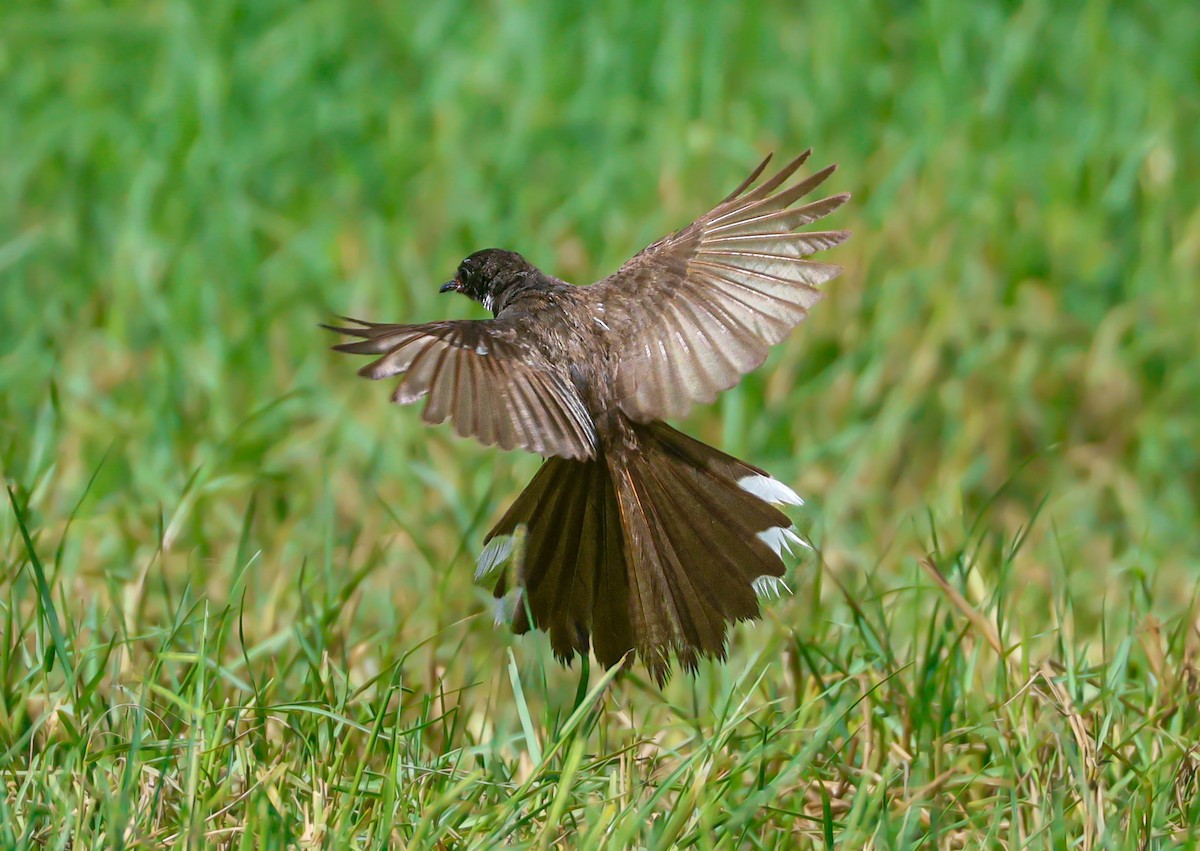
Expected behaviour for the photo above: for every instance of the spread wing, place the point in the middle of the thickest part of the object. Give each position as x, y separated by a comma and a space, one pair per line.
477, 374
691, 314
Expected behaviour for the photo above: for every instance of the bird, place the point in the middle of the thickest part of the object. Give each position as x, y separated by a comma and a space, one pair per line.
632, 540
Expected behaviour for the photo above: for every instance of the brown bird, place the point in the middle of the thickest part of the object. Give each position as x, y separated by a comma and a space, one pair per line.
632, 535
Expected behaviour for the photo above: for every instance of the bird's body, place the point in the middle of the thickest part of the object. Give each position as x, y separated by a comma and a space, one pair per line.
633, 535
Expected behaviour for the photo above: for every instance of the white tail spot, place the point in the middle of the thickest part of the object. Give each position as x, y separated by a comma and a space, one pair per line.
770, 490
503, 608
780, 538
494, 554
770, 587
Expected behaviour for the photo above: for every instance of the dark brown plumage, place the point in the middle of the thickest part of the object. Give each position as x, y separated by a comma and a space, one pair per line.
632, 536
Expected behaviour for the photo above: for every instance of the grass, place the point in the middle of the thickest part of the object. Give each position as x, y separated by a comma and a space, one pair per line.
235, 583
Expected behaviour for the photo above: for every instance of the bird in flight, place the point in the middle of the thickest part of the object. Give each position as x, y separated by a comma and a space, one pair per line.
632, 536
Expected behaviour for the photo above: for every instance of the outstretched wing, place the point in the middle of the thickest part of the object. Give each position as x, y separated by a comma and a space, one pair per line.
477, 374
691, 314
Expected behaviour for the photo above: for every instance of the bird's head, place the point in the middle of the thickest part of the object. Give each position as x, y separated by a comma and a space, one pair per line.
487, 276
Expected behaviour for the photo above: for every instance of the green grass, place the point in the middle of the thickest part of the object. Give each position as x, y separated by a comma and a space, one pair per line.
235, 584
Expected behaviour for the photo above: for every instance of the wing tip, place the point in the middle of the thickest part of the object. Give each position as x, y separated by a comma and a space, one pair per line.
346, 330
749, 181
375, 372
801, 159
838, 200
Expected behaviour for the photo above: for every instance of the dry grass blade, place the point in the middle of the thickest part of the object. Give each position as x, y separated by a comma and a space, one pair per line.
984, 627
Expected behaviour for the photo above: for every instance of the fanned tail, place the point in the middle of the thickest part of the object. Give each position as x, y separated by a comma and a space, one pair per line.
655, 549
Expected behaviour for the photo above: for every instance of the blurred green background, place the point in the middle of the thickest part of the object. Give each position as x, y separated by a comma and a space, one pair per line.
187, 189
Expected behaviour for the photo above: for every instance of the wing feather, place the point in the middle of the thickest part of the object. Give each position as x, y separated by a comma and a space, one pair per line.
478, 375
691, 314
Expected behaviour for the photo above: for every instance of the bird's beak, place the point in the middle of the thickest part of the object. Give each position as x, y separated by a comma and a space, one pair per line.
451, 287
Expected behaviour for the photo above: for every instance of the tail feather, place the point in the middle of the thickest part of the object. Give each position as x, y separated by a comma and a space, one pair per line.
681, 612
571, 575
611, 622
695, 535
655, 551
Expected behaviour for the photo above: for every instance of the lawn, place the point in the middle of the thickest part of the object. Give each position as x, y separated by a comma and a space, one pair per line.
236, 599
